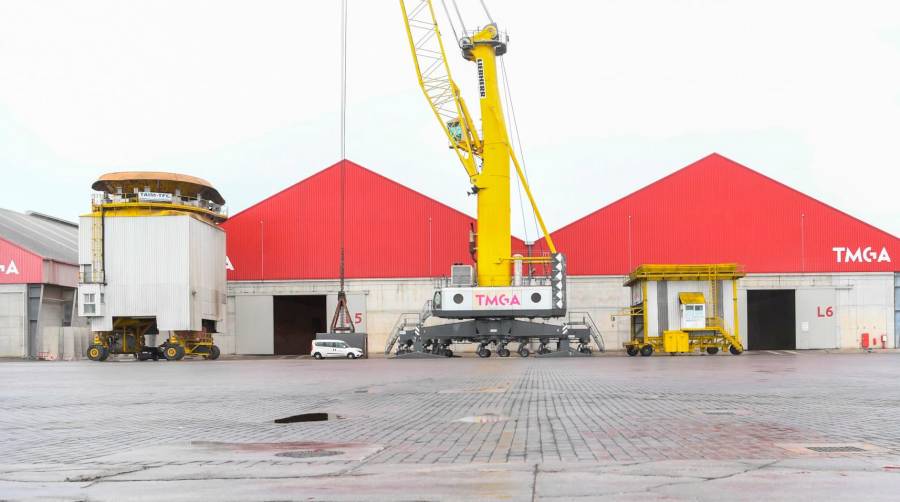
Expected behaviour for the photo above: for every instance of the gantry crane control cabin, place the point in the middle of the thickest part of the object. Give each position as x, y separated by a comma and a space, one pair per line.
152, 262
493, 304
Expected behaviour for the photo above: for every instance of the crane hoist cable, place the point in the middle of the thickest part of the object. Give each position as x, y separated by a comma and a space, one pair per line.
486, 13
461, 23
515, 126
342, 322
518, 182
450, 20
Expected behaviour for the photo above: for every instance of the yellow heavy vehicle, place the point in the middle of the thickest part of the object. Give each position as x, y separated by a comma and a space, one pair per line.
152, 262
680, 308
493, 303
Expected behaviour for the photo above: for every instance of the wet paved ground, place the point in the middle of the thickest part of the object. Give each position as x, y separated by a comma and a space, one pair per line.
610, 428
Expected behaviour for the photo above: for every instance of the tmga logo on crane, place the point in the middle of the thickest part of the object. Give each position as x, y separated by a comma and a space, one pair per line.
860, 255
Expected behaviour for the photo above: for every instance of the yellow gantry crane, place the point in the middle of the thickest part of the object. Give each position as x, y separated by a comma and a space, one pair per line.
496, 304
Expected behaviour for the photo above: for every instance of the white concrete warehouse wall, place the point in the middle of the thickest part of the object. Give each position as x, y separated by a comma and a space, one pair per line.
386, 299
12, 320
601, 297
865, 302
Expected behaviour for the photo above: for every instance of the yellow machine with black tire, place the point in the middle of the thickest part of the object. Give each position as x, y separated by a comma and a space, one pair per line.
128, 335
660, 290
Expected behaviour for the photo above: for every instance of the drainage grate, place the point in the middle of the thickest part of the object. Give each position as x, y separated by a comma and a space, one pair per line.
303, 417
835, 449
308, 453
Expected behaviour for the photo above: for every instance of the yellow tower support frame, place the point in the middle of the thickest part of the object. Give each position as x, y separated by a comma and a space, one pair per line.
490, 180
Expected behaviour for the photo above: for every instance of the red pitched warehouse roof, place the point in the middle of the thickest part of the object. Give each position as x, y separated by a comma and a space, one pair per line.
392, 231
716, 210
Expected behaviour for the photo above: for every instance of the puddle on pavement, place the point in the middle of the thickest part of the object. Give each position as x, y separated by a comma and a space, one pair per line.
304, 417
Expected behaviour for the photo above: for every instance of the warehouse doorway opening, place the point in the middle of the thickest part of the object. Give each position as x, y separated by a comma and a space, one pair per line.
296, 320
771, 319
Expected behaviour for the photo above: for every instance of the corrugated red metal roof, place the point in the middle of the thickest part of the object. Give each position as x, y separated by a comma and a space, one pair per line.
391, 231
716, 210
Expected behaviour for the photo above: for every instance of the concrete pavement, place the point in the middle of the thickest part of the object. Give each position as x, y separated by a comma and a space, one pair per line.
757, 426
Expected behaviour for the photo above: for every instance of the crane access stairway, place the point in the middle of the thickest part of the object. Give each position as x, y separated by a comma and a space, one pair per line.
410, 339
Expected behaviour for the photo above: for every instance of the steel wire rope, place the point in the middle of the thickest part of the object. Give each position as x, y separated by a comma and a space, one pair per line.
450, 20
515, 124
343, 129
488, 14
518, 181
462, 25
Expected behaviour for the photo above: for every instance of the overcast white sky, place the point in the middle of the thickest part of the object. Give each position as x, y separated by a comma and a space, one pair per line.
610, 96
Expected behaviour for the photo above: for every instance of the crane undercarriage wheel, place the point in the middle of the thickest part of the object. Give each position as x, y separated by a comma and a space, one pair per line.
503, 352
712, 350
523, 351
631, 350
734, 350
647, 350
484, 352
214, 353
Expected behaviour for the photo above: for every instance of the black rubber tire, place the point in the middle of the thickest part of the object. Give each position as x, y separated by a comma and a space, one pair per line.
484, 352
524, 352
104, 353
503, 352
171, 352
712, 350
448, 353
142, 356
647, 350
317, 355
631, 350
585, 350
214, 353
94, 352
734, 350
351, 356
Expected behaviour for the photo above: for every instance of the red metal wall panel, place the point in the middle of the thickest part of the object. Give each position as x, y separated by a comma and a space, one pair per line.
716, 210
18, 266
392, 231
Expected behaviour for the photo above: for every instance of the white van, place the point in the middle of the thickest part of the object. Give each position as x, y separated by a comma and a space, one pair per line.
334, 348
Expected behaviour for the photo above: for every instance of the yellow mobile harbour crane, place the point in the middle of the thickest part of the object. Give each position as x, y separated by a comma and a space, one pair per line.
496, 305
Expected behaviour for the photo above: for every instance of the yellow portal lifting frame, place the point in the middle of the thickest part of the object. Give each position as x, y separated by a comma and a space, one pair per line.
711, 338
